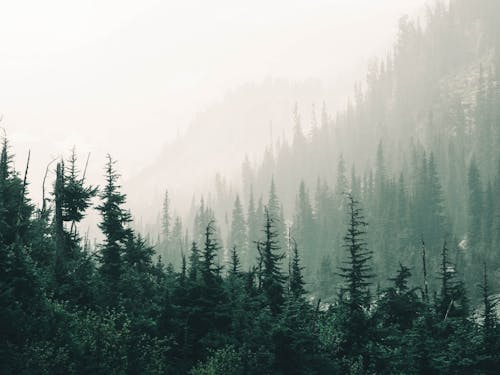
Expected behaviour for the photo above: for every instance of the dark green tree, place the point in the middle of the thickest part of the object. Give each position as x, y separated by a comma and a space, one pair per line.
271, 278
358, 271
115, 227
296, 280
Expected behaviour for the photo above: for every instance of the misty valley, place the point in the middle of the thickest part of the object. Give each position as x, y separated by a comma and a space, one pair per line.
363, 240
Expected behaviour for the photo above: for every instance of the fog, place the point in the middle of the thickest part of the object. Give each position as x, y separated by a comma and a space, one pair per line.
127, 77
296, 187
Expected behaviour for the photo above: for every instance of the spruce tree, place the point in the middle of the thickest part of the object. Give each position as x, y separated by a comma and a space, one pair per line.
209, 269
194, 263
275, 210
490, 319
73, 266
76, 194
452, 301
304, 226
355, 295
234, 266
238, 231
358, 271
490, 343
296, 280
115, 227
272, 279
475, 206
166, 220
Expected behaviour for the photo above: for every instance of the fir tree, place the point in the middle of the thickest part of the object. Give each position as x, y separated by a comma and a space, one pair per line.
452, 301
194, 262
238, 231
304, 225
271, 277
355, 295
358, 271
166, 219
115, 227
490, 319
296, 279
208, 267
475, 205
234, 266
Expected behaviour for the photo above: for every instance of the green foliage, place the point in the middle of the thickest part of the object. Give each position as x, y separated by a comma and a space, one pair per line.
67, 307
224, 361
271, 279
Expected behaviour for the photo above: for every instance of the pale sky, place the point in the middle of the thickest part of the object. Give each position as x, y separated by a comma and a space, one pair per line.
125, 76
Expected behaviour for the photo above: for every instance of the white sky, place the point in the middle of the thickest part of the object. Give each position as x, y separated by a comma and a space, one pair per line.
125, 76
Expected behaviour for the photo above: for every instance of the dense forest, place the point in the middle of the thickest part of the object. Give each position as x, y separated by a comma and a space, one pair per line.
366, 245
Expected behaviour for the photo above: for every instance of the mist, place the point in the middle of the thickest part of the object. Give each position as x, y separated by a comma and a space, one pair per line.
301, 187
115, 76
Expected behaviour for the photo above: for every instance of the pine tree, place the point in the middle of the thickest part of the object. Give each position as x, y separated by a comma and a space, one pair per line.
304, 226
380, 172
76, 195
490, 319
275, 211
238, 231
194, 262
326, 279
488, 220
115, 227
209, 270
296, 282
437, 222
166, 219
452, 301
253, 226
358, 271
355, 295
399, 305
341, 186
272, 279
15, 209
475, 205
177, 243
73, 266
234, 266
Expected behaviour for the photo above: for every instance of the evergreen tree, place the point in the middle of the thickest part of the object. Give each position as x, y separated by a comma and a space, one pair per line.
452, 301
304, 225
238, 231
271, 277
234, 266
437, 225
296, 280
341, 186
355, 295
115, 227
275, 210
194, 262
73, 266
177, 242
475, 205
210, 271
76, 194
490, 319
358, 271
399, 306
166, 219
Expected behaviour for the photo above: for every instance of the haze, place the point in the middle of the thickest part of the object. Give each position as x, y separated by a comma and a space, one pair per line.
126, 77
